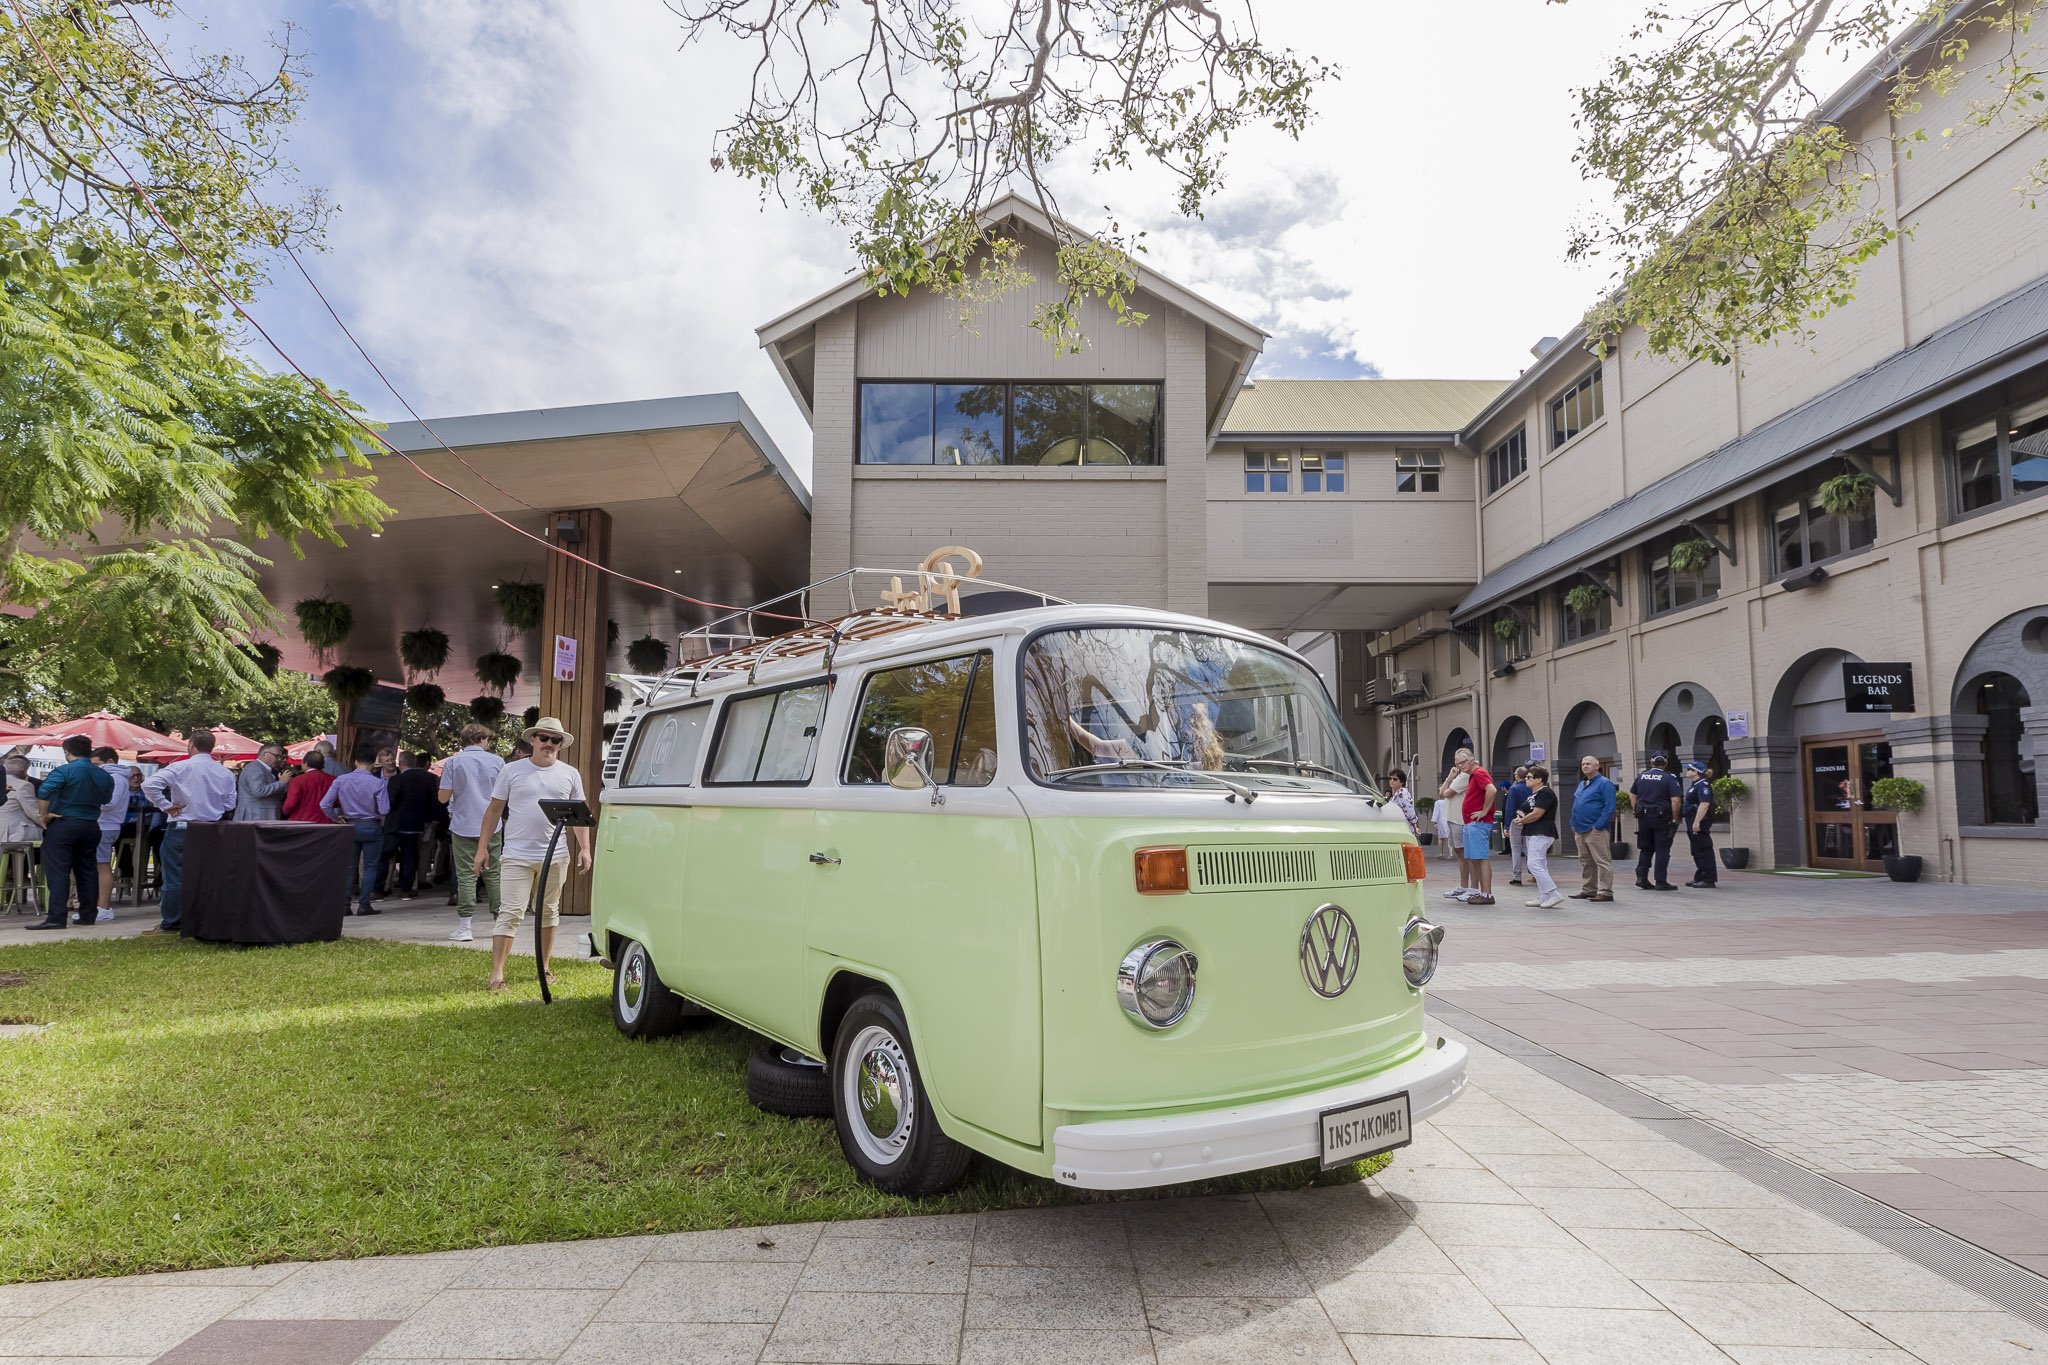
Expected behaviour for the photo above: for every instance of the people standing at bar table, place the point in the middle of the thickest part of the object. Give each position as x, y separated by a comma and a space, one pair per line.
69, 801
259, 787
516, 796
1593, 829
304, 793
413, 801
1698, 814
1539, 829
1511, 806
361, 799
196, 788
1657, 794
466, 781
113, 815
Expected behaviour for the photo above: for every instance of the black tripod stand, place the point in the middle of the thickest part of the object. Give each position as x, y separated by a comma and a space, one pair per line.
562, 815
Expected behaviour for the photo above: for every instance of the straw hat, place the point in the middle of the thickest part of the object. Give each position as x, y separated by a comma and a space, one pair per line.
551, 726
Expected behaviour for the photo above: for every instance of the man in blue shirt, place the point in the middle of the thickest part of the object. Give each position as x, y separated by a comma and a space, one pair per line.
1593, 830
71, 797
362, 799
1516, 801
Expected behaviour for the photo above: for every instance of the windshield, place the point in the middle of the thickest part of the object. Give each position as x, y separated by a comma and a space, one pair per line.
1125, 707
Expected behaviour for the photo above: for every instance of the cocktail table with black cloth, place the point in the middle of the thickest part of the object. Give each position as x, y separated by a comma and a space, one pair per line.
265, 881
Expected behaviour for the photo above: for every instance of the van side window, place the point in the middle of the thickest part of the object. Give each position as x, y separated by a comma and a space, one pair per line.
769, 737
665, 748
952, 698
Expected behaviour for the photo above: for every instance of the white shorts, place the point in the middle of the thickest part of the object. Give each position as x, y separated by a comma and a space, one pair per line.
515, 894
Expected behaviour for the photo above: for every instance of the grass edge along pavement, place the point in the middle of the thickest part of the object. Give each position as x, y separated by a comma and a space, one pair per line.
193, 1106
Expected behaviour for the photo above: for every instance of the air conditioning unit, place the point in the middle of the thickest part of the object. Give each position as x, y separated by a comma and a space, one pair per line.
1410, 684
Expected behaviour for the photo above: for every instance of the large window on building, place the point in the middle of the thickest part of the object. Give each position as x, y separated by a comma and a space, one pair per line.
1573, 626
1265, 471
1418, 471
1504, 648
1322, 471
1577, 408
1507, 461
998, 423
1804, 533
2000, 458
2010, 796
1669, 587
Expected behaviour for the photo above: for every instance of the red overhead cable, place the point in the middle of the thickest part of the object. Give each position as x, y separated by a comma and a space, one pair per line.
218, 288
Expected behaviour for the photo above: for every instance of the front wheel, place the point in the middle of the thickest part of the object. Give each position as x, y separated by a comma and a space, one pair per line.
885, 1120
641, 1006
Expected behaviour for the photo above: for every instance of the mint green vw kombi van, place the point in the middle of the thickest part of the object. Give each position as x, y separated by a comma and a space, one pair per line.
1105, 894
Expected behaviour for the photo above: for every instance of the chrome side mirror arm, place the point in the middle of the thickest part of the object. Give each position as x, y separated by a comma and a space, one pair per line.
907, 761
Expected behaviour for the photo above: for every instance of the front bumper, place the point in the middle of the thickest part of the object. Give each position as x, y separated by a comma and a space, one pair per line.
1131, 1154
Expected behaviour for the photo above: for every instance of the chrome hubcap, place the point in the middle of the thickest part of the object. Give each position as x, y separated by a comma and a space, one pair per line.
632, 980
881, 1093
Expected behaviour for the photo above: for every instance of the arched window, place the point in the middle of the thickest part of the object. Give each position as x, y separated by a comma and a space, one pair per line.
2009, 793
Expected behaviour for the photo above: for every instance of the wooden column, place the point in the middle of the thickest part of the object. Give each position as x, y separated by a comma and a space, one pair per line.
578, 604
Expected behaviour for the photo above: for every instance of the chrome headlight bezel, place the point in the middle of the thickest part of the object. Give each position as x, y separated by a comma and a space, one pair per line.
1141, 967
1421, 943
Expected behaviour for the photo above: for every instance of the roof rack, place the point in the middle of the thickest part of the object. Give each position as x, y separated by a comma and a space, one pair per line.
717, 649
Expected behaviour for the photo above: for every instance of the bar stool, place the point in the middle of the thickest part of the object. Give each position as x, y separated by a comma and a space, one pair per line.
21, 879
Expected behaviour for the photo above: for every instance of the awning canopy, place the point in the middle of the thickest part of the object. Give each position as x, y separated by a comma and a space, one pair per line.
1966, 357
106, 731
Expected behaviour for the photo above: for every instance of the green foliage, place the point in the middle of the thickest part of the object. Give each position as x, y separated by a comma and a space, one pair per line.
486, 709
647, 655
1623, 802
437, 732
1691, 556
424, 650
1584, 599
520, 605
1848, 495
1729, 792
498, 670
1507, 629
425, 697
1901, 794
348, 683
324, 623
286, 708
908, 167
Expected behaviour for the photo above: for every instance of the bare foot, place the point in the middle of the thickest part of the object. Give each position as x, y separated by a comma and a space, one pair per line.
494, 985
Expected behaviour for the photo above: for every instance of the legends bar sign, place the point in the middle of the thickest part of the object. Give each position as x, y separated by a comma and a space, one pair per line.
1877, 687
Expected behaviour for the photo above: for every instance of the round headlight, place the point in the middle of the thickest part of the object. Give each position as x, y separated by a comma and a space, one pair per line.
1155, 983
1419, 951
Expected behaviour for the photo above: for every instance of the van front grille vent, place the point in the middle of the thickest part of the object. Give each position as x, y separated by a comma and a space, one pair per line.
1367, 865
1250, 869
616, 755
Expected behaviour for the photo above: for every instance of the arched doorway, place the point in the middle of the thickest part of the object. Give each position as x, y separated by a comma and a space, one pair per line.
1457, 739
1840, 755
1511, 745
1664, 740
2010, 794
1587, 730
2004, 675
1710, 745
1686, 723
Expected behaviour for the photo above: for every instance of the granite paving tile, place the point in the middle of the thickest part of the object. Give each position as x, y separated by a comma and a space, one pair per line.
27, 1300
1376, 1301
1232, 1330
387, 1287
787, 1242
1056, 1348
1079, 1236
868, 1329
703, 1291
603, 1263
689, 1343
904, 1265
1571, 1170
1962, 1338
1613, 1336
1609, 1209
926, 1227
1876, 1282
1674, 1254
1575, 1278
1456, 1225
1097, 1298
1760, 1314
1761, 1231
1399, 1350
121, 1320
488, 1323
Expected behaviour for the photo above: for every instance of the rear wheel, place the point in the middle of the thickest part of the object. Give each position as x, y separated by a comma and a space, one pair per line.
641, 1006
885, 1120
781, 1080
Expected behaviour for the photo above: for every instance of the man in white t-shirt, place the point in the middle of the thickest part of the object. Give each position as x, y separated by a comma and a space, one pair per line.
516, 795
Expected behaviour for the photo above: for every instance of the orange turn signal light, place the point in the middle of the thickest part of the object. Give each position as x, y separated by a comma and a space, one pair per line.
1411, 857
1161, 870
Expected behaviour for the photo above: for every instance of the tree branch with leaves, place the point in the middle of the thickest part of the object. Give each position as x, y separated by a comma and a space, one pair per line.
901, 120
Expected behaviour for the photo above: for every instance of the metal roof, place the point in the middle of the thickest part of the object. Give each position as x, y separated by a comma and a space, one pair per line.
1964, 357
1357, 407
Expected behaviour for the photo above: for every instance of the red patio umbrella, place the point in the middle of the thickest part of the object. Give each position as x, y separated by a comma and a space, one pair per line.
227, 747
107, 730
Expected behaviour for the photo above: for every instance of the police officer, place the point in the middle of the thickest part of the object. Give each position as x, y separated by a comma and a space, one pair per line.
1656, 793
1698, 813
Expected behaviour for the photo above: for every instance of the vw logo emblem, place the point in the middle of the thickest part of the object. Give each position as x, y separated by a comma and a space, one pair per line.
1329, 952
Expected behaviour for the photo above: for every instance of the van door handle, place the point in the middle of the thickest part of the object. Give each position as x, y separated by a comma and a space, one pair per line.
822, 860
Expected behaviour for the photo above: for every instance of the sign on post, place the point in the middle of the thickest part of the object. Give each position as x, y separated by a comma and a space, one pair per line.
1738, 725
1536, 751
1868, 688
565, 659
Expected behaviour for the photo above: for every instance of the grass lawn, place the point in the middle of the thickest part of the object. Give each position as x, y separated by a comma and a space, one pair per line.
194, 1105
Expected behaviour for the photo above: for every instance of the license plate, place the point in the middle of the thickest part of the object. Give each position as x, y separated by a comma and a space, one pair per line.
1359, 1130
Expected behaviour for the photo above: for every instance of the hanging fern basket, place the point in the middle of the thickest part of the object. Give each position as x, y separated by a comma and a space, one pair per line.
613, 697
1848, 495
520, 605
530, 717
347, 683
265, 656
425, 698
486, 710
1507, 629
611, 635
325, 623
498, 670
1691, 556
647, 655
424, 650
1584, 600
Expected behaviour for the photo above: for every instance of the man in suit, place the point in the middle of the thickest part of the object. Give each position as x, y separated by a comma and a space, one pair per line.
1657, 794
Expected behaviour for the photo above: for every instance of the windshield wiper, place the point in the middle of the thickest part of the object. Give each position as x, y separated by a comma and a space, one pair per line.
1308, 765
1146, 764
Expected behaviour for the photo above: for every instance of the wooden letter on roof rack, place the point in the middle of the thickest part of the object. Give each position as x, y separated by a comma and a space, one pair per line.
937, 578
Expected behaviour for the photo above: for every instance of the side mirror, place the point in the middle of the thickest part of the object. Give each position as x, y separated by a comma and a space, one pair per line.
907, 761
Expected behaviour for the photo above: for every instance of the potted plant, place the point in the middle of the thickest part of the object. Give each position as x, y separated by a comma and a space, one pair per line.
1906, 797
1507, 629
1728, 793
1848, 495
1423, 806
647, 655
1624, 805
347, 683
1584, 599
425, 698
520, 604
325, 624
487, 710
1690, 556
424, 650
498, 670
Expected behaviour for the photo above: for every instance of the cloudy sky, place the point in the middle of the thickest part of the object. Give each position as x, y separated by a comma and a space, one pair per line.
527, 216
